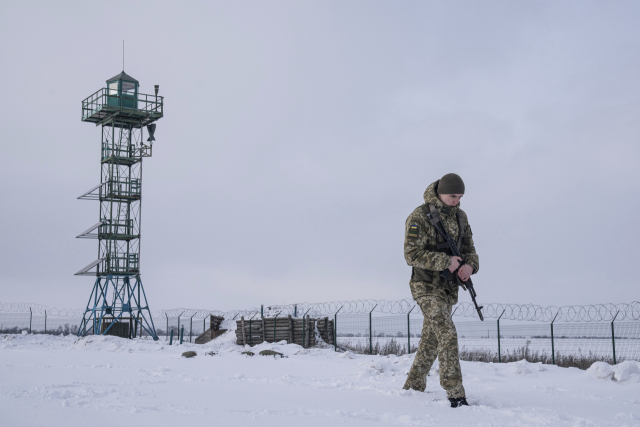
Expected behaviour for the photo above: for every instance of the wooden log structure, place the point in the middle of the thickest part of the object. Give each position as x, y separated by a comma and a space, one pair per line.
287, 329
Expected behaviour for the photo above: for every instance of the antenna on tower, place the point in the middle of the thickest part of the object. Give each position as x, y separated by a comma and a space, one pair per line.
122, 55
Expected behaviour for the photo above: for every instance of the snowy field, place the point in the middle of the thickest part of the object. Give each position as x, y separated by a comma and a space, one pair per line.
106, 381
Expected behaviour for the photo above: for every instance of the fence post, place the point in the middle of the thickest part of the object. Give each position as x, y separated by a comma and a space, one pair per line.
409, 331
261, 310
295, 310
613, 337
191, 325
171, 337
30, 317
454, 312
553, 349
45, 328
274, 327
167, 330
304, 324
499, 357
179, 321
304, 345
335, 329
181, 334
371, 331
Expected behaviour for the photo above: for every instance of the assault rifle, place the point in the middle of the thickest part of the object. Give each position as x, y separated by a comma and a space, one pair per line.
446, 274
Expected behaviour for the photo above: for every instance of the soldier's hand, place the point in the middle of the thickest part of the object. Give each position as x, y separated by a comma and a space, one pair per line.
455, 263
465, 272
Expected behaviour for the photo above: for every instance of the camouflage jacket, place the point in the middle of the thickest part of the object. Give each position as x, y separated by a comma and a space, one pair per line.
421, 252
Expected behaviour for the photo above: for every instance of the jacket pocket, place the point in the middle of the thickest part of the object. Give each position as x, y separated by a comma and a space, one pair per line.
421, 275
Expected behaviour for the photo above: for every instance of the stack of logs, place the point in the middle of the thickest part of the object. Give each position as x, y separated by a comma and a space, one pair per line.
257, 331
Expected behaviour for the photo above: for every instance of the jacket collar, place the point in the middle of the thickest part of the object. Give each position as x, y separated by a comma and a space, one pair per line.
431, 196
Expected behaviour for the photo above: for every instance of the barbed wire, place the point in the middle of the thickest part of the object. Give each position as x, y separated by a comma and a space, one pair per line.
521, 312
202, 313
567, 313
27, 307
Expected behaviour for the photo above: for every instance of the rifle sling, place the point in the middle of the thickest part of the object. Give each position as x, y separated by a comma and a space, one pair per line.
436, 221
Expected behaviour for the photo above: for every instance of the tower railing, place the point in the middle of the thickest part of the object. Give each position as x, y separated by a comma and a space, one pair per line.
122, 264
125, 151
123, 188
102, 101
117, 230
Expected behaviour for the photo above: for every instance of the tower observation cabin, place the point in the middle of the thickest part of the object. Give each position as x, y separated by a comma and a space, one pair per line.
121, 97
118, 304
120, 85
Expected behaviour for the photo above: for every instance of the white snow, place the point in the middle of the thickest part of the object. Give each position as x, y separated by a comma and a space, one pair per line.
106, 381
625, 371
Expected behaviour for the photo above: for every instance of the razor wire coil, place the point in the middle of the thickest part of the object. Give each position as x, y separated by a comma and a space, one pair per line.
520, 312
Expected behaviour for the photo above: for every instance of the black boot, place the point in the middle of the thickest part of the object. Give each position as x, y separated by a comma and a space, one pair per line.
458, 401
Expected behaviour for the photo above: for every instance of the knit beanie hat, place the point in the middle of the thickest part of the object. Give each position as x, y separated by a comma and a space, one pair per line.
451, 184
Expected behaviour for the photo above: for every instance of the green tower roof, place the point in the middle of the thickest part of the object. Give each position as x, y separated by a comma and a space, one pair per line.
123, 76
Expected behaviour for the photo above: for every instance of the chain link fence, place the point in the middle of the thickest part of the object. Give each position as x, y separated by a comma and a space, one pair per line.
14, 323
189, 327
609, 332
399, 334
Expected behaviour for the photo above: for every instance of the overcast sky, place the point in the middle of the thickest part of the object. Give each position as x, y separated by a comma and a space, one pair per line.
298, 137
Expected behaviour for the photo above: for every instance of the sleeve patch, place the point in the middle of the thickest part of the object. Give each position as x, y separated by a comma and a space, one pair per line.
414, 231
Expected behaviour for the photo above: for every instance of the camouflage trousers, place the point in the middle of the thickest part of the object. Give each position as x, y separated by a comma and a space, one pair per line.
439, 339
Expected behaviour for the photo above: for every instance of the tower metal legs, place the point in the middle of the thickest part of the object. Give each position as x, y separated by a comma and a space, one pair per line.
117, 306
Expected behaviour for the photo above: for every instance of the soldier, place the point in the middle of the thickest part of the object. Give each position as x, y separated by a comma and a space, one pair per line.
425, 251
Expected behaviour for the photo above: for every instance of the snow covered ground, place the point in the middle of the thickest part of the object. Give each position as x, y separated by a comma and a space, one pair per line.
105, 381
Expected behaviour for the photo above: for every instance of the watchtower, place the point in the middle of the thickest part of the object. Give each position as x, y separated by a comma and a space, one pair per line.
118, 304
